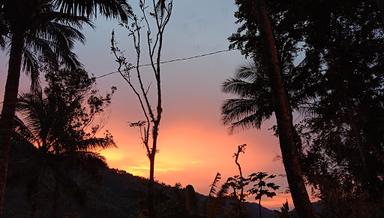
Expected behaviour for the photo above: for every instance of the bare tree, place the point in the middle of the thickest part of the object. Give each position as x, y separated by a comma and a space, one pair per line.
242, 180
153, 20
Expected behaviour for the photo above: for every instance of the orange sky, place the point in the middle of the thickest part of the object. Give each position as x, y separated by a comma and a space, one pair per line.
194, 145
192, 153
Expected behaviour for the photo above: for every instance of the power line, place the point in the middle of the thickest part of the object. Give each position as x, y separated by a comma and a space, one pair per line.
174, 60
171, 61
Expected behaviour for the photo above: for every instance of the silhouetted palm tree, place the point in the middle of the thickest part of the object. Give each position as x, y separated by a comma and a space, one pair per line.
259, 40
46, 28
50, 38
253, 103
51, 125
283, 114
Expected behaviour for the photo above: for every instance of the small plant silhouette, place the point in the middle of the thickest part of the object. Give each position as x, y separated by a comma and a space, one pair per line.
261, 187
259, 183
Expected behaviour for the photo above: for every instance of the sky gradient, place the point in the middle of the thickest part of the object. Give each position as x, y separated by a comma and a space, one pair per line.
193, 143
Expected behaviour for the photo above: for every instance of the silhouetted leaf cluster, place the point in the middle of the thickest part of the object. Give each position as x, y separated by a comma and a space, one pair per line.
233, 191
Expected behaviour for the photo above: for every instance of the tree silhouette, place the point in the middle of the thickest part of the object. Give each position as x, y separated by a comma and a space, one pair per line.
255, 37
336, 87
215, 197
160, 12
253, 103
261, 187
47, 28
233, 190
238, 183
343, 129
284, 211
56, 45
61, 125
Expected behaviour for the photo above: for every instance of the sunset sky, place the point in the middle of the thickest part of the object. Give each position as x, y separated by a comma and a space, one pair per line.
194, 145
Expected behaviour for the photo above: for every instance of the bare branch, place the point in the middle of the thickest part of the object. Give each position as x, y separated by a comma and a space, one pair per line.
149, 129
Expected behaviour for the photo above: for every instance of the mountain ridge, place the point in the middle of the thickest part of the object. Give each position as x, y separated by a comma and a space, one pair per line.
113, 193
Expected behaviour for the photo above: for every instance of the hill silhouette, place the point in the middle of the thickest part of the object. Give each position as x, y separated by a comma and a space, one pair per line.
109, 193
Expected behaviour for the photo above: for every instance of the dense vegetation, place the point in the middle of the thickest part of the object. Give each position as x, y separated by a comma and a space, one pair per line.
332, 65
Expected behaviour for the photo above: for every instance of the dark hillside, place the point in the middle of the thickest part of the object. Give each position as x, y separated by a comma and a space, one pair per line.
111, 193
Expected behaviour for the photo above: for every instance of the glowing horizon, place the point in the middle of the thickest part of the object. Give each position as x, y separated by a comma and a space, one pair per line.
196, 161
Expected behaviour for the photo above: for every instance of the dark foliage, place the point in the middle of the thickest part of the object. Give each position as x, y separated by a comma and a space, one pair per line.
264, 35
335, 81
37, 29
60, 124
230, 200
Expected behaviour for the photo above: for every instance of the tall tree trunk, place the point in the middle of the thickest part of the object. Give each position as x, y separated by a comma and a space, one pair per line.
151, 191
283, 114
152, 155
9, 107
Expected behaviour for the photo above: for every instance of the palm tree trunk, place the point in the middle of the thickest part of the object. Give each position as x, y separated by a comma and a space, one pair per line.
9, 107
283, 114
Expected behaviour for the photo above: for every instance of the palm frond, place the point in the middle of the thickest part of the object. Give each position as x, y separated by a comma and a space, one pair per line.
238, 87
55, 31
108, 8
94, 142
245, 113
249, 72
253, 103
39, 116
223, 192
22, 130
65, 19
234, 109
31, 66
216, 180
55, 42
252, 121
39, 47
4, 31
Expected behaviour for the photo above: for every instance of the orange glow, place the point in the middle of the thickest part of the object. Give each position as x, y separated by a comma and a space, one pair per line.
277, 201
112, 155
192, 153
